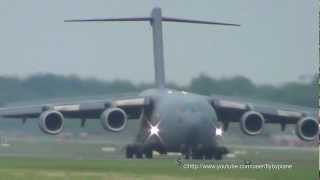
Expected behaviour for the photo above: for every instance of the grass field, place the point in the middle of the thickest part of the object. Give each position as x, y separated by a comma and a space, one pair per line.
305, 167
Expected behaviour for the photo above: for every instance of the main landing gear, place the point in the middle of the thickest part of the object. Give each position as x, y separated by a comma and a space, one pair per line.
197, 152
138, 151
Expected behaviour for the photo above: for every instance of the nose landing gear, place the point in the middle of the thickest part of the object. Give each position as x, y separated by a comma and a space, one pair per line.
202, 152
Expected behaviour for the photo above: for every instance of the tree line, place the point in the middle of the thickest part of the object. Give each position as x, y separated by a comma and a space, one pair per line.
47, 86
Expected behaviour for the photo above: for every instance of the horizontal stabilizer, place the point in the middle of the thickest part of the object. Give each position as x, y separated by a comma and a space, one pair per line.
111, 19
164, 19
169, 19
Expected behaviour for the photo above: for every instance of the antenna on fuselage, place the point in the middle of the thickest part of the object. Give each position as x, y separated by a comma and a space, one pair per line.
155, 20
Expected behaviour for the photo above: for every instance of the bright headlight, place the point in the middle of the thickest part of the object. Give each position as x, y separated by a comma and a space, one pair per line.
219, 131
154, 130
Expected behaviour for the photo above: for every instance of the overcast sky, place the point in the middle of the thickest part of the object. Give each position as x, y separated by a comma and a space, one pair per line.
276, 43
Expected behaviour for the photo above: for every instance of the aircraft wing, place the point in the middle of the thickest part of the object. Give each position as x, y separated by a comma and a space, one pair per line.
253, 115
82, 110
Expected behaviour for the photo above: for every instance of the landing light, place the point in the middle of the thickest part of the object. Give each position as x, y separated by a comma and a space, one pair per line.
154, 130
219, 131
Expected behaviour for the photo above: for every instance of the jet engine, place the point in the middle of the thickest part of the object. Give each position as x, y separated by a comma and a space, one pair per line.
307, 128
114, 119
252, 123
51, 122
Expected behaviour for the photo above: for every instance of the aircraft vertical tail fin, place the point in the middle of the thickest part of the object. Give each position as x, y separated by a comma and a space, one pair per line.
155, 20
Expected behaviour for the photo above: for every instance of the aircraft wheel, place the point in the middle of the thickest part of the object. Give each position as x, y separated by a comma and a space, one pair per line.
197, 155
139, 155
208, 155
129, 152
218, 156
194, 156
138, 151
148, 153
219, 152
198, 152
185, 150
187, 154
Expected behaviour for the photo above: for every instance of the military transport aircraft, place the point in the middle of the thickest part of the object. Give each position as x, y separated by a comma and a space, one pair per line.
171, 120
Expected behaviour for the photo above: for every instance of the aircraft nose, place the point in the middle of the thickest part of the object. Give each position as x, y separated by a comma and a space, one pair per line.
200, 129
197, 120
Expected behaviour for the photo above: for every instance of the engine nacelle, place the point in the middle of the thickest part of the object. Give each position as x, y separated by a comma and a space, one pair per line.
252, 123
51, 122
307, 129
114, 119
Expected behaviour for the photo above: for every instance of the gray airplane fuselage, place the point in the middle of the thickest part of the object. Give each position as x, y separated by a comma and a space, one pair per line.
183, 119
